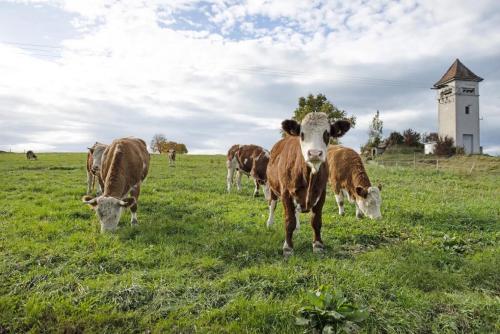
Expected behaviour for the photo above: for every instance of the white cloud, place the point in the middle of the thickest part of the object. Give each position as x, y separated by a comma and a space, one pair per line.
127, 75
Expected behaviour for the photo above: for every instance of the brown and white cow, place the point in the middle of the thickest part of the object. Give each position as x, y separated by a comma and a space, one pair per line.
171, 157
94, 160
125, 165
250, 160
348, 178
297, 173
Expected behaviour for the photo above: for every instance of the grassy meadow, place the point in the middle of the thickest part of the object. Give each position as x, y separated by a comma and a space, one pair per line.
202, 260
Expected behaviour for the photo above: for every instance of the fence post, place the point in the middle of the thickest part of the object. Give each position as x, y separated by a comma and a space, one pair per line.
414, 160
437, 164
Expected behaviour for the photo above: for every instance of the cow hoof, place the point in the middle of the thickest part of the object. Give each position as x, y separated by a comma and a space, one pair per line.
269, 223
287, 252
318, 247
133, 222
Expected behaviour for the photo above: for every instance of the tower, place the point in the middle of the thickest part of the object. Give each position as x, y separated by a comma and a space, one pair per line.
458, 107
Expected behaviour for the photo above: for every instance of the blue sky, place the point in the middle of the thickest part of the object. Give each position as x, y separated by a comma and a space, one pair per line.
215, 73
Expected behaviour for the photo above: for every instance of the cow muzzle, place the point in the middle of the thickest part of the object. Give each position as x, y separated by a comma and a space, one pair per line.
315, 155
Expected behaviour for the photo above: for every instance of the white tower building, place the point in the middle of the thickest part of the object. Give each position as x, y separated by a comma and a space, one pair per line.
458, 107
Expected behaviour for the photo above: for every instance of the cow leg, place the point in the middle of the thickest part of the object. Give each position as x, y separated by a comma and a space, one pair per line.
90, 182
136, 190
239, 174
359, 214
340, 202
272, 207
298, 210
290, 224
256, 190
318, 246
230, 176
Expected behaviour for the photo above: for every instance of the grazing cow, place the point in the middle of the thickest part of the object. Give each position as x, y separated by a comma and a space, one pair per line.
348, 178
30, 155
250, 160
298, 172
125, 165
94, 160
171, 157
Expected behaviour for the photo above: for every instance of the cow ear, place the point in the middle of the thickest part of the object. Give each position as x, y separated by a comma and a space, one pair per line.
380, 186
127, 202
291, 127
89, 200
339, 128
361, 192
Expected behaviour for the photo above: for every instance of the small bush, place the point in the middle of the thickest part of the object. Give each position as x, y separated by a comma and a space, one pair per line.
411, 137
444, 146
330, 312
395, 138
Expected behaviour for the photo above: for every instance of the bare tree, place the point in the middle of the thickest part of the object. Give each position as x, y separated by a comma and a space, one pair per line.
158, 143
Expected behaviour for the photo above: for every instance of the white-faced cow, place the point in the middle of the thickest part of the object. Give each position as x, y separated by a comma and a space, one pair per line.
94, 161
297, 173
171, 157
250, 160
348, 178
125, 165
30, 155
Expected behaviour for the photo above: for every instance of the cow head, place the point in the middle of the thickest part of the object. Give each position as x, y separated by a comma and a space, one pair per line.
315, 131
369, 201
108, 209
97, 150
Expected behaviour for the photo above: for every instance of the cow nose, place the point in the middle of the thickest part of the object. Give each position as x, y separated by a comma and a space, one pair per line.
315, 154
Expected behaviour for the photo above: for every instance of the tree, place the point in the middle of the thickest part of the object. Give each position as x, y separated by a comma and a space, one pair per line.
158, 143
411, 137
375, 130
181, 148
395, 138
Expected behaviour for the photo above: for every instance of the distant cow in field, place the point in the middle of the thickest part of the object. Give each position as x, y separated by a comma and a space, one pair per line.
94, 160
348, 178
30, 155
250, 160
298, 173
125, 165
171, 157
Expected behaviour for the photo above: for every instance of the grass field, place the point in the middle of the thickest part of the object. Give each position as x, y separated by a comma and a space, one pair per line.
202, 260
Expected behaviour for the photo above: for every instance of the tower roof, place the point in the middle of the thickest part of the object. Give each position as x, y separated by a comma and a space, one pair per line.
457, 71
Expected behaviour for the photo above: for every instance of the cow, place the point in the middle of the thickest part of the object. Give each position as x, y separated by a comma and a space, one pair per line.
30, 155
171, 157
250, 160
348, 178
297, 173
94, 160
125, 164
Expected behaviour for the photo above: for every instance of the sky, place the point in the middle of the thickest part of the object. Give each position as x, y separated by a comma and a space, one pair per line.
215, 73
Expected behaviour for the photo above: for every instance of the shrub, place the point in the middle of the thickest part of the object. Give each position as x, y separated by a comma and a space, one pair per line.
411, 137
395, 138
431, 137
444, 146
330, 312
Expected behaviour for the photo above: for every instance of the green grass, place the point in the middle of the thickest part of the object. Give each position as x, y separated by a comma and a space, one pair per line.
202, 260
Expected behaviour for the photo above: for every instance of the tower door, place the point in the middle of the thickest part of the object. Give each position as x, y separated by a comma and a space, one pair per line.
467, 140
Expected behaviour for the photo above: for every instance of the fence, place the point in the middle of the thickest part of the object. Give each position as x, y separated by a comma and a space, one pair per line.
468, 166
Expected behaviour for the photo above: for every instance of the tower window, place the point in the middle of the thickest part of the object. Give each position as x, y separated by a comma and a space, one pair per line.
467, 110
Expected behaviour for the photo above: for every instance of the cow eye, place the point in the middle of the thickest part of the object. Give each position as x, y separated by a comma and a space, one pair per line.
326, 137
302, 136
